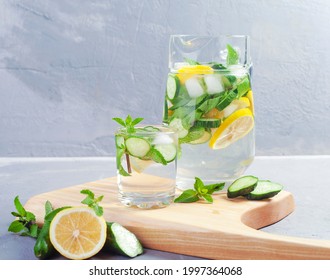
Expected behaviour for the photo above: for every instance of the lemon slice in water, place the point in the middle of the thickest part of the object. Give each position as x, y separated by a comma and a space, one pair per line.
233, 128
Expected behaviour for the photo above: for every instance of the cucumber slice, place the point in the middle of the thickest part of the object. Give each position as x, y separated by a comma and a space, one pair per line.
168, 151
242, 186
264, 189
122, 241
194, 134
176, 124
137, 147
172, 86
205, 138
208, 123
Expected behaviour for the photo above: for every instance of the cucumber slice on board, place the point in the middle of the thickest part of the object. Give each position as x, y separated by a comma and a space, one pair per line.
137, 147
122, 241
208, 123
168, 151
264, 189
172, 86
242, 186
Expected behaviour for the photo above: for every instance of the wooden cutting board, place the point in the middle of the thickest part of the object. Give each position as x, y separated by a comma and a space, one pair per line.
226, 229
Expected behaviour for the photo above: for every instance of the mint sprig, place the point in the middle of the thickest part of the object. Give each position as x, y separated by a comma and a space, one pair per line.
92, 201
200, 191
25, 223
128, 123
232, 56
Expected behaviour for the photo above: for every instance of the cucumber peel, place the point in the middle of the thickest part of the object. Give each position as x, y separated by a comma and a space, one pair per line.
122, 241
242, 186
264, 189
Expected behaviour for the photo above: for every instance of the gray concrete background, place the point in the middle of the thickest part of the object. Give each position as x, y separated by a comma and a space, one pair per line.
68, 67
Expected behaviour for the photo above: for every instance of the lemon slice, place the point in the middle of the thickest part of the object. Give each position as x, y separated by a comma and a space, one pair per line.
233, 128
139, 165
187, 72
249, 95
235, 105
78, 233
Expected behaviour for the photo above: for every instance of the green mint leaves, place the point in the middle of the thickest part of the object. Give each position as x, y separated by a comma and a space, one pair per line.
92, 201
200, 191
25, 224
232, 56
128, 123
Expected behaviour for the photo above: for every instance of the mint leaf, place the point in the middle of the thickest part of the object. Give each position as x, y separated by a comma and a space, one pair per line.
187, 196
136, 121
92, 202
208, 198
191, 61
16, 226
48, 207
19, 207
156, 156
214, 187
122, 171
120, 121
232, 56
199, 185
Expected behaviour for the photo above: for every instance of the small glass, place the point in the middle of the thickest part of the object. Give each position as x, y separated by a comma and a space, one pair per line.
146, 166
209, 101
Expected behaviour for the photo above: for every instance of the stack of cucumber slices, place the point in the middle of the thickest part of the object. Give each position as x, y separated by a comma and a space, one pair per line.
253, 189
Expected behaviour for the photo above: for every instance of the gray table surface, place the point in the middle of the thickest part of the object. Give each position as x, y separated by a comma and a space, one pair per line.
306, 177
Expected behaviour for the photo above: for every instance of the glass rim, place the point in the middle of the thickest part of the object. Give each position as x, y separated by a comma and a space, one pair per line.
167, 130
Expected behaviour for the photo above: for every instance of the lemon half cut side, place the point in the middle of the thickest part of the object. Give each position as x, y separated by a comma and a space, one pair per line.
78, 233
233, 128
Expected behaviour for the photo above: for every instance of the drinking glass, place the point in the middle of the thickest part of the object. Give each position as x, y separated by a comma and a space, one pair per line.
209, 102
146, 166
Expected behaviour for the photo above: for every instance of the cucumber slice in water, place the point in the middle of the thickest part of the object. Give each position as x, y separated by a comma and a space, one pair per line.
172, 86
151, 128
242, 186
208, 123
205, 138
122, 241
168, 151
137, 147
176, 124
264, 189
194, 134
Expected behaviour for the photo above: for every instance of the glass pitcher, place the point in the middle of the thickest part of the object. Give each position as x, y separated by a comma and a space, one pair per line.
209, 102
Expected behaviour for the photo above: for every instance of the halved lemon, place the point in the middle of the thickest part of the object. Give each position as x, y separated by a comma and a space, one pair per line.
78, 233
249, 95
233, 128
187, 72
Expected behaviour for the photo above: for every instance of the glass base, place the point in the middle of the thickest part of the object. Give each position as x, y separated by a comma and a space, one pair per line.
146, 202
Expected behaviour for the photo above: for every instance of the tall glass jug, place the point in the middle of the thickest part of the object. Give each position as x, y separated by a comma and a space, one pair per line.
209, 102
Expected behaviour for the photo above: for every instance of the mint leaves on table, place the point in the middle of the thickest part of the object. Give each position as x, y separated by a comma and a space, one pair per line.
93, 202
25, 222
200, 191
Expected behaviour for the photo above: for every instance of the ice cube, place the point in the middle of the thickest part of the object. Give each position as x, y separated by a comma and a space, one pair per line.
161, 139
213, 84
194, 87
